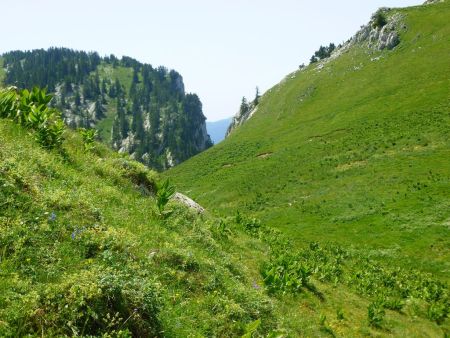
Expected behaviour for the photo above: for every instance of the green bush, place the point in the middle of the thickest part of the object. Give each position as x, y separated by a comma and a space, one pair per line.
285, 273
379, 19
30, 110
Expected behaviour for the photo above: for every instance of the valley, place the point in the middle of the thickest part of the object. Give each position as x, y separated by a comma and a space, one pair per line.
323, 204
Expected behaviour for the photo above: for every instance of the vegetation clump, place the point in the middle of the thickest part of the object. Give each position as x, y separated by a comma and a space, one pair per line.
30, 109
164, 193
322, 53
379, 19
88, 136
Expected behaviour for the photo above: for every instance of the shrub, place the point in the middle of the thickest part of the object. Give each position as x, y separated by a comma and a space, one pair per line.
30, 110
379, 19
285, 273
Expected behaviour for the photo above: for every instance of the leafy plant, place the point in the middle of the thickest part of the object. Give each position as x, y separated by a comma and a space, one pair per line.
8, 101
251, 328
164, 193
438, 311
222, 230
250, 225
285, 273
393, 304
375, 314
89, 136
51, 135
30, 110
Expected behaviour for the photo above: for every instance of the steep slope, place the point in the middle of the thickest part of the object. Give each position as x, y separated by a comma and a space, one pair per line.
85, 252
353, 149
138, 109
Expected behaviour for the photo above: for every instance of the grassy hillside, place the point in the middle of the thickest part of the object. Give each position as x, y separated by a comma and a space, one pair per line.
83, 251
353, 151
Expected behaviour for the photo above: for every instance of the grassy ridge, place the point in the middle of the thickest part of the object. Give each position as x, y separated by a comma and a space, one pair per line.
355, 152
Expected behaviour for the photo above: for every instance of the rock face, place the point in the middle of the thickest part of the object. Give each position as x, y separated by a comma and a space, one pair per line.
241, 117
376, 37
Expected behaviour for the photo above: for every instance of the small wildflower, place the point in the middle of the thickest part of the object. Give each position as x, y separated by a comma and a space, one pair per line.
255, 285
52, 217
74, 234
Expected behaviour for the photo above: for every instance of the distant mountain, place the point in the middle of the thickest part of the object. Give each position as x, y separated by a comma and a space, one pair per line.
217, 129
136, 108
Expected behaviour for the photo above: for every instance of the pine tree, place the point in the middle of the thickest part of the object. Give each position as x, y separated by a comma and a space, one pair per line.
257, 96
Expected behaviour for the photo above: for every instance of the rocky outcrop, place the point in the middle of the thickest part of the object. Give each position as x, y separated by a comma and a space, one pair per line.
381, 37
190, 203
241, 117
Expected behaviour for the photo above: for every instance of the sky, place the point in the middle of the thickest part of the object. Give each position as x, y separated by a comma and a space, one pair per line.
223, 49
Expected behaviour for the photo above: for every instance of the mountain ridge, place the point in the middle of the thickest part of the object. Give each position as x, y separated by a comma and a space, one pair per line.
218, 129
137, 108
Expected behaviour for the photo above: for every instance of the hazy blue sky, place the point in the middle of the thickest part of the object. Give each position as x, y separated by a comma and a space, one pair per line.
223, 49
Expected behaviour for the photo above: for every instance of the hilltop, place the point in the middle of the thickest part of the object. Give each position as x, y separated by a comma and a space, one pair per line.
138, 109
